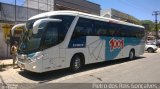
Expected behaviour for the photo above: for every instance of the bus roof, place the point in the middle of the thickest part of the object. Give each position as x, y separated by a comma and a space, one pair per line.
85, 15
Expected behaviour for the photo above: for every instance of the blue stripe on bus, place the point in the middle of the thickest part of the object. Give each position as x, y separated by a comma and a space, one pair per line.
79, 42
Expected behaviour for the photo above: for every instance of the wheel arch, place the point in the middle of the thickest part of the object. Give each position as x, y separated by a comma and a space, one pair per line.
134, 54
81, 55
149, 48
133, 50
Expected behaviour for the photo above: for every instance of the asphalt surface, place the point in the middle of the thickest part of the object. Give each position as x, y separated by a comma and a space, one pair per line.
144, 69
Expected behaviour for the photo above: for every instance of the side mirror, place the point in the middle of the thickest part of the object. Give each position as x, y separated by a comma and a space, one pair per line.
41, 21
18, 26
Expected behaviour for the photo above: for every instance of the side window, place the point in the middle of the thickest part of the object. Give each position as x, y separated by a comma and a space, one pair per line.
122, 31
65, 24
55, 32
142, 33
112, 29
84, 27
126, 31
101, 28
51, 35
41, 29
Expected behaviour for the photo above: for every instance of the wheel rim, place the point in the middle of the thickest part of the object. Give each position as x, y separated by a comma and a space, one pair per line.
149, 50
131, 55
77, 63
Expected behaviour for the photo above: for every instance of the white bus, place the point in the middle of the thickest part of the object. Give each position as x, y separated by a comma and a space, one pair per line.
63, 39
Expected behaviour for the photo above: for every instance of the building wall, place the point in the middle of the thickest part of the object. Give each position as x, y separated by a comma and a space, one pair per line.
46, 5
115, 14
76, 5
106, 13
7, 13
4, 49
7, 16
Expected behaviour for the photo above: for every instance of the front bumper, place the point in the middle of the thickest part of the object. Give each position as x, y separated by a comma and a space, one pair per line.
32, 67
155, 49
21, 65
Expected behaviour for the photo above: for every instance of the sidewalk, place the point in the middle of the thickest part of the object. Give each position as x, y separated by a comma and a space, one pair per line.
7, 61
5, 64
158, 51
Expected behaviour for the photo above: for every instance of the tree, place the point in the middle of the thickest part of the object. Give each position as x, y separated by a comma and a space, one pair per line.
150, 25
159, 26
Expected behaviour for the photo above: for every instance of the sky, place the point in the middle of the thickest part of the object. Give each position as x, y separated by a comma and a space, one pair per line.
18, 2
141, 9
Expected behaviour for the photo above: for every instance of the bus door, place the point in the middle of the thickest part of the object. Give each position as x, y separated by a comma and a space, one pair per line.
51, 47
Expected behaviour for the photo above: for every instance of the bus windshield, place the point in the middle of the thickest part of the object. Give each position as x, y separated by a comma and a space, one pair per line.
31, 42
49, 33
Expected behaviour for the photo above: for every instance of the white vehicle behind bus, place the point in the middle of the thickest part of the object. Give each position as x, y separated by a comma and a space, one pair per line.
151, 48
63, 39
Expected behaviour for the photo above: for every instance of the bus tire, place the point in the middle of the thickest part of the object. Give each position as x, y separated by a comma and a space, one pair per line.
131, 54
150, 50
76, 63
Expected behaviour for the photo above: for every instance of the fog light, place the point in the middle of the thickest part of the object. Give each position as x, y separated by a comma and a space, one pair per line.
34, 67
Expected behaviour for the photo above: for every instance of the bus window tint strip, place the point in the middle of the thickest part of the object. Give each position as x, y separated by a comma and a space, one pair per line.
87, 27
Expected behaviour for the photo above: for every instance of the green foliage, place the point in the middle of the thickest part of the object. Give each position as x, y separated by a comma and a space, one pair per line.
159, 25
150, 25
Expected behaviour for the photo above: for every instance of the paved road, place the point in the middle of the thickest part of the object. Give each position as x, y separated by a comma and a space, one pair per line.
144, 69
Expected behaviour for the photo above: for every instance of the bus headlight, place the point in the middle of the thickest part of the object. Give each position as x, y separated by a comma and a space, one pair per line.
39, 57
35, 56
34, 67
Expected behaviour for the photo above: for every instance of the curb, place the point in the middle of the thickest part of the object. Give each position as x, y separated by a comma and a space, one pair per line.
5, 63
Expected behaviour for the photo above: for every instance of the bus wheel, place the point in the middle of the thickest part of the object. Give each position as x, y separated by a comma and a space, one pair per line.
150, 50
131, 55
76, 63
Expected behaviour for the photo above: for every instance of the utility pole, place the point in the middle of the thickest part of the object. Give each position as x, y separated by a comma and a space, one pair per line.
156, 13
38, 6
15, 12
27, 9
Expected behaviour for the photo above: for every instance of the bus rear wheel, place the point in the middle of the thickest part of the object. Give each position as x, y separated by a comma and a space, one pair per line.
76, 63
131, 55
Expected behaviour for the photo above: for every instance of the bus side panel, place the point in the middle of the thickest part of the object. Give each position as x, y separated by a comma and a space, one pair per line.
142, 47
119, 47
92, 47
76, 45
102, 48
112, 50
52, 59
96, 48
71, 52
